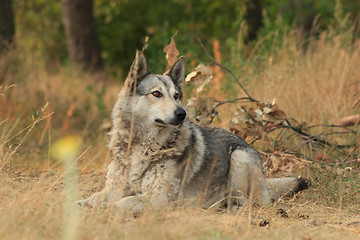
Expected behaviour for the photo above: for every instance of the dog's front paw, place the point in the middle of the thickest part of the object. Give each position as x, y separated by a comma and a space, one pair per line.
96, 200
130, 204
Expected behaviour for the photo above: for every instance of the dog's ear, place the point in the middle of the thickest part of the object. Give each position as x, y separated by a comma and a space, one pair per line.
177, 72
138, 70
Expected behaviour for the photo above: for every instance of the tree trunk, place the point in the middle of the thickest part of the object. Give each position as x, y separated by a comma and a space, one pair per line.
7, 25
82, 39
254, 18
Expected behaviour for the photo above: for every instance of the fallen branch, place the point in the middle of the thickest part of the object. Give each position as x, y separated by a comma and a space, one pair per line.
314, 138
219, 103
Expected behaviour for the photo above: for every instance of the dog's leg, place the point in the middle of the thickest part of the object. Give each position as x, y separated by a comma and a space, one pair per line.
98, 199
246, 178
138, 203
113, 190
130, 204
101, 199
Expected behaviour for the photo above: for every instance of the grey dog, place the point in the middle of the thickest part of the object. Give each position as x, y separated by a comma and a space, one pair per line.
160, 158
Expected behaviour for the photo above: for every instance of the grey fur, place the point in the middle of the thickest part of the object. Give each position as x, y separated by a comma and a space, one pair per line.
160, 158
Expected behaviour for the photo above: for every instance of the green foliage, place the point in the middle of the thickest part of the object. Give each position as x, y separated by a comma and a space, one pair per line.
39, 30
123, 26
303, 13
293, 22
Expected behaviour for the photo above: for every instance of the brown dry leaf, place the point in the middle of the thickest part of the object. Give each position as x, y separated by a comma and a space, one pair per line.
192, 77
350, 121
171, 52
201, 76
279, 161
245, 131
198, 110
277, 112
256, 119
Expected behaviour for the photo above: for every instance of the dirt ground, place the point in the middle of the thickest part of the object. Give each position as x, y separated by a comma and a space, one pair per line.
31, 205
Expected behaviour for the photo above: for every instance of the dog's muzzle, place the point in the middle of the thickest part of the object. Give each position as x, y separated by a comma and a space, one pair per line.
180, 115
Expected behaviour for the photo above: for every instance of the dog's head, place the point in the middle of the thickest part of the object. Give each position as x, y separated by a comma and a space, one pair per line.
156, 98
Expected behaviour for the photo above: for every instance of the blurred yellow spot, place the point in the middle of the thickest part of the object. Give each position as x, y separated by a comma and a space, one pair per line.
66, 147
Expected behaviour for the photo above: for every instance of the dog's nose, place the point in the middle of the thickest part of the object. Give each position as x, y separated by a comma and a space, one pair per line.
180, 114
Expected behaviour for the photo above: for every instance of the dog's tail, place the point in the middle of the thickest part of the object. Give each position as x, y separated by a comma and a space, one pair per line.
287, 186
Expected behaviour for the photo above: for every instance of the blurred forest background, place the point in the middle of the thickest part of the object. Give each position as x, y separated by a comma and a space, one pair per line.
122, 26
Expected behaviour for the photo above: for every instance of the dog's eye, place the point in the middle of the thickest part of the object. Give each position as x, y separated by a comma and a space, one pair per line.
157, 94
176, 95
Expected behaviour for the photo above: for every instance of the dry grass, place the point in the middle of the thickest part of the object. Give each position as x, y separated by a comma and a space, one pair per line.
31, 206
315, 86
